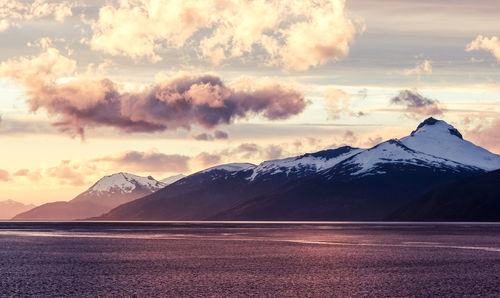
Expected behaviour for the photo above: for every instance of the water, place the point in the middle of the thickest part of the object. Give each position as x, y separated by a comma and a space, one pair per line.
170, 259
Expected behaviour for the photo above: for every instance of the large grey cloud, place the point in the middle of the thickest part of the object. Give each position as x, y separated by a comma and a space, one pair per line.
178, 102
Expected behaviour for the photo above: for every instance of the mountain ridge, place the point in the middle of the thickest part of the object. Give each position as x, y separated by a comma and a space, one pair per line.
337, 184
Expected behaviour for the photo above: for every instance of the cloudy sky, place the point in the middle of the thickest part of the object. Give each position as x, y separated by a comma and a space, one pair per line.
161, 87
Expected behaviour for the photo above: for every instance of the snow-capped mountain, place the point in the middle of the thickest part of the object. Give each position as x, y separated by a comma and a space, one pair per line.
106, 194
303, 165
339, 184
438, 138
172, 179
10, 208
120, 184
434, 144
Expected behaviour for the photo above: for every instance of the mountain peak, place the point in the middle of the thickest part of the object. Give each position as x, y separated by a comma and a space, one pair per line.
432, 125
125, 182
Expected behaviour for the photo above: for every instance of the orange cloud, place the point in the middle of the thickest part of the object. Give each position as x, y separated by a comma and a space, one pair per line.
33, 175
339, 102
295, 34
4, 175
68, 173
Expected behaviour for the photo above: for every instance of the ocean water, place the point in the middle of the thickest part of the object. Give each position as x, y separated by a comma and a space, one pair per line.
228, 259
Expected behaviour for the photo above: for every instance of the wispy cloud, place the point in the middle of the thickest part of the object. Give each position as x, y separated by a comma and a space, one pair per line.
340, 102
487, 134
424, 67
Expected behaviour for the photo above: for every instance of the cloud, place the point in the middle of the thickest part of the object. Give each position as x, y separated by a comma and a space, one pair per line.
33, 175
296, 35
424, 67
217, 135
220, 135
4, 175
207, 159
254, 151
416, 103
16, 10
340, 102
350, 138
22, 172
491, 45
373, 141
178, 102
68, 173
25, 126
151, 161
203, 137
486, 135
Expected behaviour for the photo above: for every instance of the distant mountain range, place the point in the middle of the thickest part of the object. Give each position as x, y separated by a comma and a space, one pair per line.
9, 208
432, 174
338, 184
107, 193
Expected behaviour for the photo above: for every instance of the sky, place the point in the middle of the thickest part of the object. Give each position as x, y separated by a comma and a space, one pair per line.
162, 87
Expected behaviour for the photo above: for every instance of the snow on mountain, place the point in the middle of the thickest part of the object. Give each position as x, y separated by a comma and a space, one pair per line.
434, 144
304, 164
125, 183
230, 167
172, 179
438, 138
393, 151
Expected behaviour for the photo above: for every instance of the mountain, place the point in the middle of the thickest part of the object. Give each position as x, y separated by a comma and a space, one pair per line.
10, 208
473, 199
172, 179
338, 184
107, 193
209, 192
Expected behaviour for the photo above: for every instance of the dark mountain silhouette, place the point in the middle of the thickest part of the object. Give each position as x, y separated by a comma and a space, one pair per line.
473, 199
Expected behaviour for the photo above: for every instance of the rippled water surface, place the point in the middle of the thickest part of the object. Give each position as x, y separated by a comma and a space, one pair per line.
248, 259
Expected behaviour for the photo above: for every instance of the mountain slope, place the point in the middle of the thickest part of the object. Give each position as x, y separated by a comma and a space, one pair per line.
107, 193
172, 179
10, 208
473, 199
